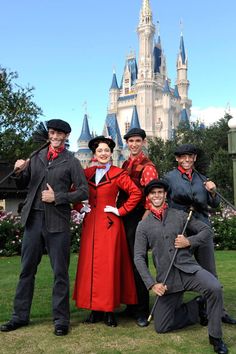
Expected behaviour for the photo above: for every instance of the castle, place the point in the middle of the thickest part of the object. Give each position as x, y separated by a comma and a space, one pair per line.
145, 98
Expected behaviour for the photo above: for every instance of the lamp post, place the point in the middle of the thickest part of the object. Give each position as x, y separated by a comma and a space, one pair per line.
232, 150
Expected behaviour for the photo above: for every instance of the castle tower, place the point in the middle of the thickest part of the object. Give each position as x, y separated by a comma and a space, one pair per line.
145, 82
84, 154
182, 76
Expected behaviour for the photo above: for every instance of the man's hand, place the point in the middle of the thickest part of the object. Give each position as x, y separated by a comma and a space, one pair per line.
210, 187
48, 195
110, 209
181, 242
20, 165
159, 289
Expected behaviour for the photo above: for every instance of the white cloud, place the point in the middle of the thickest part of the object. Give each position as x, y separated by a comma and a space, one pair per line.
210, 115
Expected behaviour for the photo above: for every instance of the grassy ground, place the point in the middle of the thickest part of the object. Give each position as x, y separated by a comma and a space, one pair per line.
98, 338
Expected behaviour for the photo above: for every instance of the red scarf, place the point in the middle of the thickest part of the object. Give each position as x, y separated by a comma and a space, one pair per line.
159, 212
187, 173
53, 153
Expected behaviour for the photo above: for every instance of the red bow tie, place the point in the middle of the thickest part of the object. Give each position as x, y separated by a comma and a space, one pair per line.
100, 167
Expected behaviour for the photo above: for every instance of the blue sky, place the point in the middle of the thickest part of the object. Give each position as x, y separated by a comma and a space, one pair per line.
67, 50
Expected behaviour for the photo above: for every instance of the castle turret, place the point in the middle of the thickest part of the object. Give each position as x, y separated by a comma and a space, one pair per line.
84, 153
114, 95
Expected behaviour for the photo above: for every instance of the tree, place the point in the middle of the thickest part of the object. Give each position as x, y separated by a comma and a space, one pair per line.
18, 117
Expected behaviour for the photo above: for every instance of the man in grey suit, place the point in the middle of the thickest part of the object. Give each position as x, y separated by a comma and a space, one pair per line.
161, 231
48, 176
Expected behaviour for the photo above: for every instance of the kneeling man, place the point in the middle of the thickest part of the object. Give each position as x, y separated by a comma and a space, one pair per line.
161, 231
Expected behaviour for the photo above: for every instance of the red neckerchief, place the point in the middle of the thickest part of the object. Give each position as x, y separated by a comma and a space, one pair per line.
137, 158
53, 153
187, 173
159, 212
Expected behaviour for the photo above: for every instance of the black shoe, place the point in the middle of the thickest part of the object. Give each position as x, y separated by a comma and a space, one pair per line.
12, 326
218, 344
61, 330
228, 319
94, 317
109, 319
202, 310
142, 321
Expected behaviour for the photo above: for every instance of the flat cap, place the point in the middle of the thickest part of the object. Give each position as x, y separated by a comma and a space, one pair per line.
185, 149
59, 125
101, 139
156, 183
135, 132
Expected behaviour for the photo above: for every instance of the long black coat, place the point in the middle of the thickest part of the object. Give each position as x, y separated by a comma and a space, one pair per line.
60, 174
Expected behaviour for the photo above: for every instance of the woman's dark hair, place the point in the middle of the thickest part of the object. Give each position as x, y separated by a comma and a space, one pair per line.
96, 143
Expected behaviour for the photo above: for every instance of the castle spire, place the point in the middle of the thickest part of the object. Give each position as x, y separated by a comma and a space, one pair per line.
134, 120
85, 132
146, 12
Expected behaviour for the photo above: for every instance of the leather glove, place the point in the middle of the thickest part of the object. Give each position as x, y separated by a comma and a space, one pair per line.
85, 209
110, 209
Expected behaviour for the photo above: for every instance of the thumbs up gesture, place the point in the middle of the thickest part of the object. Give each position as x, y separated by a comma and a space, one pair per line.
48, 195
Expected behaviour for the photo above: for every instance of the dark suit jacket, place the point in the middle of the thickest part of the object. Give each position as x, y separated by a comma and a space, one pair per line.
160, 236
60, 174
184, 193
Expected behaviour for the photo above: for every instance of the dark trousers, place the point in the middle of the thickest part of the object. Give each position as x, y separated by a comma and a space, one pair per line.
36, 237
131, 222
205, 256
171, 313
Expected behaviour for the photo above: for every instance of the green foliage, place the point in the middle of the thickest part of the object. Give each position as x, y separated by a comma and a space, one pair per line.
11, 233
224, 227
18, 117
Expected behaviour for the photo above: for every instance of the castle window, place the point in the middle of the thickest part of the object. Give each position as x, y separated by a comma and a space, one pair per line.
126, 91
127, 126
126, 81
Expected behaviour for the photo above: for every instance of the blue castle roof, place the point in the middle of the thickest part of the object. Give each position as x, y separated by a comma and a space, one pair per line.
166, 88
113, 128
114, 84
85, 132
134, 120
182, 50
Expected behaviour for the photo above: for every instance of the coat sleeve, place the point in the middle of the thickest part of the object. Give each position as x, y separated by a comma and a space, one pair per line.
125, 183
79, 182
201, 232
140, 255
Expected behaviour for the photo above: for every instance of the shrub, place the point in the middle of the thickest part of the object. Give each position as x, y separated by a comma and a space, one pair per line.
11, 233
224, 227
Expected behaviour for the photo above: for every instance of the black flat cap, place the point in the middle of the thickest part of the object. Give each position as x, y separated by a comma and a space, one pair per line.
93, 143
59, 125
185, 149
135, 132
156, 183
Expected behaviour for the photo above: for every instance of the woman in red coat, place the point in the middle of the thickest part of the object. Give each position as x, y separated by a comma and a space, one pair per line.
104, 276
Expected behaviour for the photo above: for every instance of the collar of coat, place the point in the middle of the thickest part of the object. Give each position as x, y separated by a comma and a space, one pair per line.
112, 173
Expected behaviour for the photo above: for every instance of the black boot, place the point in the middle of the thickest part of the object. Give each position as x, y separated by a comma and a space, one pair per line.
109, 319
218, 344
94, 317
201, 301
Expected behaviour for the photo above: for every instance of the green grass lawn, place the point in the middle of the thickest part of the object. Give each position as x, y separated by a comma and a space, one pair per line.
98, 338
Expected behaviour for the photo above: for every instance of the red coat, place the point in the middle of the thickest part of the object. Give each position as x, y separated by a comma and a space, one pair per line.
104, 276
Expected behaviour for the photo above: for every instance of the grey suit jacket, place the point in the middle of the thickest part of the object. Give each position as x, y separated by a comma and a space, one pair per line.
160, 236
60, 174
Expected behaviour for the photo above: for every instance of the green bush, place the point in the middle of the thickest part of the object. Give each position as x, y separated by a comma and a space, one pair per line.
224, 227
11, 233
